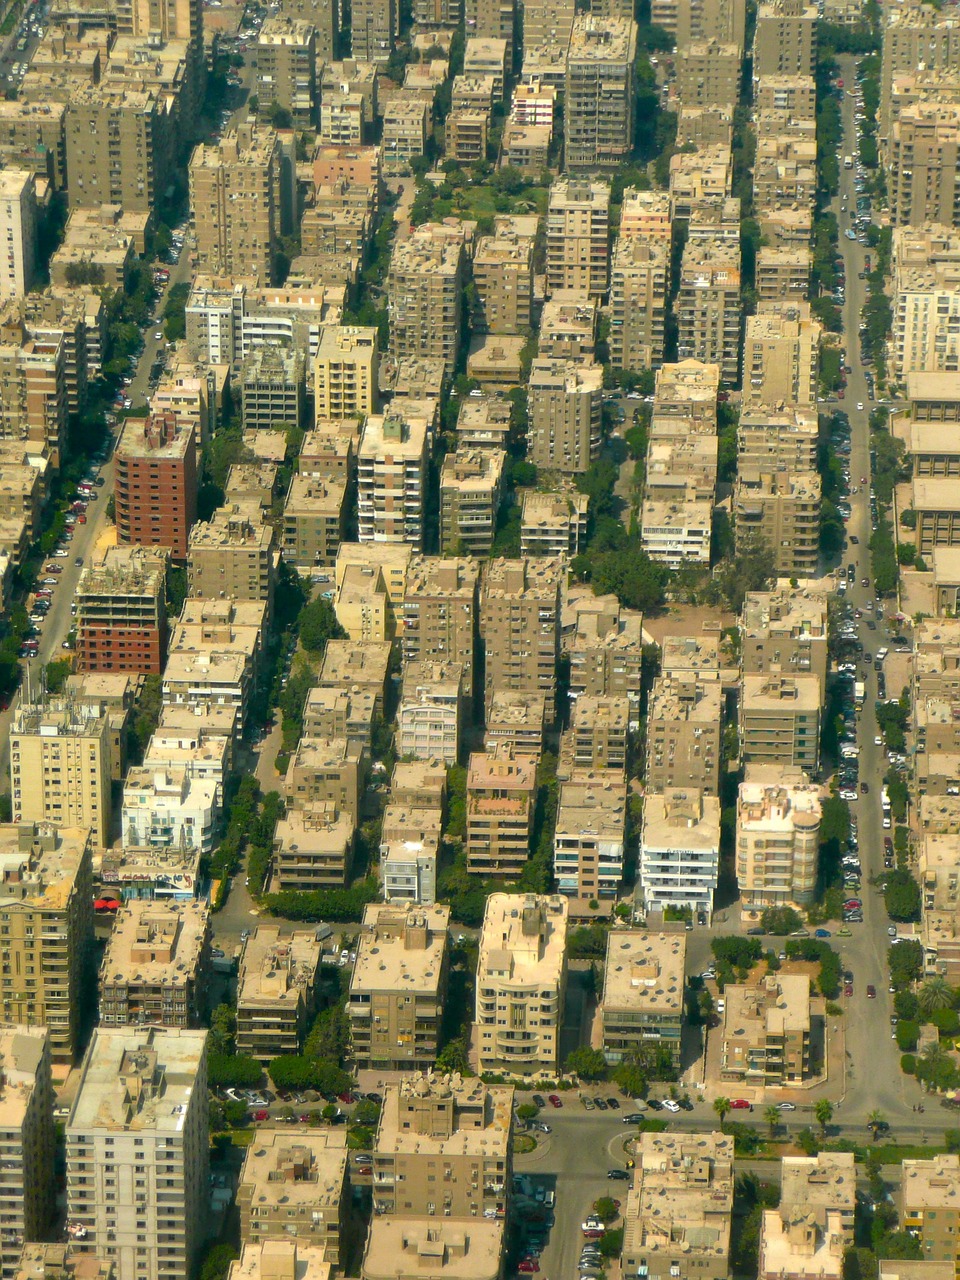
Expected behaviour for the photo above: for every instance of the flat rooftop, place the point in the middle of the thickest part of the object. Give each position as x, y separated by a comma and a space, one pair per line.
401, 948
136, 1078
523, 940
154, 943
644, 971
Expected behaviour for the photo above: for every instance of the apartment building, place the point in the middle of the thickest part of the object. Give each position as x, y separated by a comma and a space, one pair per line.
922, 154
359, 668
516, 722
781, 355
642, 1002
233, 556
782, 512
272, 387
406, 121
708, 73
312, 849
565, 402
700, 176
439, 613
121, 611
598, 91
46, 906
429, 718
590, 832
471, 482
408, 864
772, 438
426, 294
120, 144
604, 645
295, 1185
18, 227
492, 20
778, 835
484, 421
374, 26
472, 1247
327, 770
767, 1031
60, 767
785, 39
784, 630
709, 306
503, 278
276, 991
598, 737
287, 68
346, 372
926, 301
553, 523
780, 720
813, 1227
578, 236
398, 986
501, 795
783, 271
314, 521
520, 622
27, 1140
154, 969
683, 732
638, 299
140, 1116
679, 1207
164, 808
927, 1211
156, 483
568, 327
329, 449
392, 474
680, 849
676, 530
457, 1124
236, 194
521, 984
33, 389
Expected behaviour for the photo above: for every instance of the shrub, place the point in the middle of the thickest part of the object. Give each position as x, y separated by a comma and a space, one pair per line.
907, 1035
908, 1064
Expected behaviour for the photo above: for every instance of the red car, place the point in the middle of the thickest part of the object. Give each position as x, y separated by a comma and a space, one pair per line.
364, 1168
848, 989
740, 1104
348, 1098
871, 992
840, 394
839, 84
554, 1100
852, 904
261, 1115
304, 1119
592, 1235
887, 845
528, 1265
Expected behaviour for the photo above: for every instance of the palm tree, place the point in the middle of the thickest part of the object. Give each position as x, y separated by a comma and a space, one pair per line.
874, 1121
936, 993
824, 1113
773, 1119
722, 1107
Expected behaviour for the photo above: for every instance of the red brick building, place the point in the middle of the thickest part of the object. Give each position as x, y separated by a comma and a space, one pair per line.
156, 482
122, 613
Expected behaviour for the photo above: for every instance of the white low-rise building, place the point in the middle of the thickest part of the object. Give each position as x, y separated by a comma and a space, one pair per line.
168, 808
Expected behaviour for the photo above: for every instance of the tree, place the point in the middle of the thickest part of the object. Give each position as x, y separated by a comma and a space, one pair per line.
780, 921
722, 1107
588, 1064
318, 624
527, 1111
233, 1071
223, 1029
772, 1116
453, 1056
631, 1078
876, 1122
824, 1113
56, 674
902, 896
936, 993
605, 1209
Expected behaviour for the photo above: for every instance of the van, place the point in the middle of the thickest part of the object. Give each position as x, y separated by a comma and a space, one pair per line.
550, 1199
322, 932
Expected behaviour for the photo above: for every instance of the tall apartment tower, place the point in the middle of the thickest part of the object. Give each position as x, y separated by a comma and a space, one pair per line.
491, 20
27, 1141
287, 68
781, 356
578, 235
375, 24
566, 398
709, 306
18, 231
345, 372
599, 104
235, 195
234, 556
156, 483
324, 17
914, 35
547, 24
138, 1126
723, 20
60, 767
437, 13
639, 278
439, 612
923, 165
46, 900
785, 40
120, 146
392, 477
426, 295
121, 611
520, 626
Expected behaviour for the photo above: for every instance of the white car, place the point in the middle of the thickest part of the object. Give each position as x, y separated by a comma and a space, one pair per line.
786, 1106
878, 741
860, 405
670, 1105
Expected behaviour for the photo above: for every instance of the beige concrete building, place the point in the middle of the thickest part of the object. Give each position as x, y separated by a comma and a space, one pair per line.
553, 523
598, 737
140, 1115
18, 226
392, 473
578, 236
312, 849
768, 1031
598, 91
926, 301
605, 647
778, 437
680, 849
27, 1140
327, 770
778, 832
781, 511
501, 794
429, 718
406, 120
683, 732
643, 986
784, 630
520, 622
503, 278
780, 720
295, 1184
565, 399
516, 722
276, 991
120, 143
287, 68
638, 298
470, 489
921, 159
345, 372
708, 73
812, 1229
568, 327
234, 556
589, 836
235, 195
680, 1206
521, 984
709, 306
440, 606
60, 767
155, 966
785, 39
398, 986
927, 1211
781, 355
360, 668
314, 521
783, 271
417, 1248
425, 287
458, 1124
